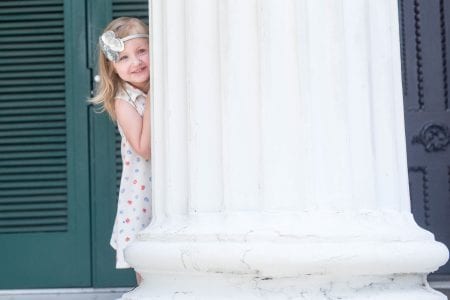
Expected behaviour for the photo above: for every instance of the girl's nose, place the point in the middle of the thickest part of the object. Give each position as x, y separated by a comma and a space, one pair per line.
136, 61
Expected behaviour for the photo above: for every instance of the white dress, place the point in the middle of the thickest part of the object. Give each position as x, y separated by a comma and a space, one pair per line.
134, 204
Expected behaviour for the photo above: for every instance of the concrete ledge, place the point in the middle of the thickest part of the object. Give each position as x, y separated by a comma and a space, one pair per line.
66, 294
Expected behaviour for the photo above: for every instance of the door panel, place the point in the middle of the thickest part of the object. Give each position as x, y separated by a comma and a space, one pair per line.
44, 195
106, 164
425, 32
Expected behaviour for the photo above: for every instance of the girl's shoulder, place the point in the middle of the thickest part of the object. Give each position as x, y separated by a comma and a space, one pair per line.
133, 96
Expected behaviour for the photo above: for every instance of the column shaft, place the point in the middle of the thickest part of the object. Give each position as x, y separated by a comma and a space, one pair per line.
279, 155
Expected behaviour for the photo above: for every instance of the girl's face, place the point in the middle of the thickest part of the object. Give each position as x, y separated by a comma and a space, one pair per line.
133, 63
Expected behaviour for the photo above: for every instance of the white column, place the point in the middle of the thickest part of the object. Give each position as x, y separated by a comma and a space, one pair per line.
279, 155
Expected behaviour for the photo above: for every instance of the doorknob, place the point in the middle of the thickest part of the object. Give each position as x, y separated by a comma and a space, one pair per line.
96, 81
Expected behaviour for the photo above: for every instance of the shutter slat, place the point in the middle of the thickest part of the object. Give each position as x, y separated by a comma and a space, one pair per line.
33, 192
25, 3
32, 133
32, 169
31, 119
26, 53
32, 38
34, 17
31, 96
34, 103
32, 177
30, 46
35, 221
36, 228
25, 31
33, 162
32, 206
32, 199
33, 67
33, 60
29, 10
26, 111
32, 139
32, 214
30, 89
40, 25
29, 155
42, 125
40, 184
34, 74
21, 119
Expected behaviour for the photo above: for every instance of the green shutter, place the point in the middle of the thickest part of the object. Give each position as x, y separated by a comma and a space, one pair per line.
33, 179
136, 8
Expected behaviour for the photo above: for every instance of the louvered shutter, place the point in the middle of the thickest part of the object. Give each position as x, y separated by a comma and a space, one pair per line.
44, 168
136, 8
33, 181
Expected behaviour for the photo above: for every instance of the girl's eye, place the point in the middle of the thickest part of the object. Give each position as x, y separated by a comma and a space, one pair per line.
122, 58
142, 51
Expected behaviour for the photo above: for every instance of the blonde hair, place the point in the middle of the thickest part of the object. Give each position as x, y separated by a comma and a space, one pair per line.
110, 82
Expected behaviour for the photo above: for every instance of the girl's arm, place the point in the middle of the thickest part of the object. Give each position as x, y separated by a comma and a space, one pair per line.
135, 127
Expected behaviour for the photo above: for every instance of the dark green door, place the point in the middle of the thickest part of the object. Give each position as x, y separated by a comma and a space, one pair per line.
44, 188
105, 152
59, 160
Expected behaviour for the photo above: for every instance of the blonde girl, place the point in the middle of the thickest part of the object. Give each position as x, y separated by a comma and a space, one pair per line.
124, 70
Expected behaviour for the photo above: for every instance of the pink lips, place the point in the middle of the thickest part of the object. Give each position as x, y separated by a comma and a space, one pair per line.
139, 70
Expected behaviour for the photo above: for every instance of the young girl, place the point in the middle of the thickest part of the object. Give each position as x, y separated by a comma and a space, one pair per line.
123, 92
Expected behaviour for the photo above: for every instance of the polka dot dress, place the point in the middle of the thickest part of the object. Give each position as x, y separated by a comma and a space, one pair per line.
134, 204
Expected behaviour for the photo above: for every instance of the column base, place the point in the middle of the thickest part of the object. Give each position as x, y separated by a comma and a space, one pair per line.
288, 245
310, 255
219, 286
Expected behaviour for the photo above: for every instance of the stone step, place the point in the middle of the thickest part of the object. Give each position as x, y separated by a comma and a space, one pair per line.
110, 293
64, 294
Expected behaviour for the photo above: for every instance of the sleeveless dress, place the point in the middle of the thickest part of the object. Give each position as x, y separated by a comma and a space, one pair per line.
134, 203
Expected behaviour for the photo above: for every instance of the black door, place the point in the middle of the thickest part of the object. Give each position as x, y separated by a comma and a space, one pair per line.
425, 37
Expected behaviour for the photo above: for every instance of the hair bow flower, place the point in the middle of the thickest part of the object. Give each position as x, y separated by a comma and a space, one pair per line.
111, 45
